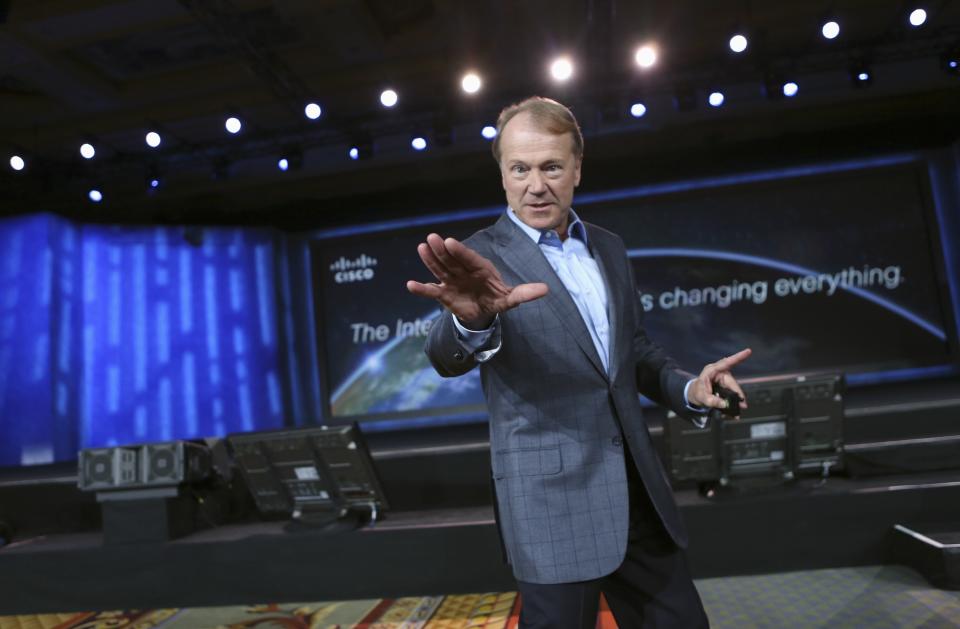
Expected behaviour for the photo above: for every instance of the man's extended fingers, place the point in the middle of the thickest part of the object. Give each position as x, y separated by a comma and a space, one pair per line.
465, 256
526, 292
431, 291
439, 249
724, 364
432, 263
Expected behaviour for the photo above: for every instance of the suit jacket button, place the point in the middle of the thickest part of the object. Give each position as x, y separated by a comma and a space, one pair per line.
617, 441
458, 355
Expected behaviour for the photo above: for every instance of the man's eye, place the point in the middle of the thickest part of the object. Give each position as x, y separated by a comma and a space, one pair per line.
519, 169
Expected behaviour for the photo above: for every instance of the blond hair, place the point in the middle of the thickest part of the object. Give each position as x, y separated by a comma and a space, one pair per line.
546, 113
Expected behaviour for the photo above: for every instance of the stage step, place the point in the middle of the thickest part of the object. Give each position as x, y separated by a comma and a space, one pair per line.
931, 550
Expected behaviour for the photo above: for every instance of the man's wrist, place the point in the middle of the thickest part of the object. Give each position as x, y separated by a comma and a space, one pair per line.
477, 325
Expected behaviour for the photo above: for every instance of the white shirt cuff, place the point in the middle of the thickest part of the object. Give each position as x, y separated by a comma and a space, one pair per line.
701, 421
472, 340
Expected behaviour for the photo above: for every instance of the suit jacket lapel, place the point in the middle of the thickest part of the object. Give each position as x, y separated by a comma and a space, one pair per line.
524, 258
618, 290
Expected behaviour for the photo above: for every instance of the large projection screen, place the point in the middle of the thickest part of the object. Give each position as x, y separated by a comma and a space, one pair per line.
827, 268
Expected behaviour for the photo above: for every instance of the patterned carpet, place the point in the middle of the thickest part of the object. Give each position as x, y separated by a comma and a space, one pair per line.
875, 597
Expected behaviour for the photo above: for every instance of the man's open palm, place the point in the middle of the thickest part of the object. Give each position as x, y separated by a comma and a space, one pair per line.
468, 285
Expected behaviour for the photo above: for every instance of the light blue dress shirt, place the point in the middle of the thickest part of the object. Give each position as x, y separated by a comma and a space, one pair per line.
580, 275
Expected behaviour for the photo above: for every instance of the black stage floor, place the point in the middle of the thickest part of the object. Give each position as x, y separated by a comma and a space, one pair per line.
843, 522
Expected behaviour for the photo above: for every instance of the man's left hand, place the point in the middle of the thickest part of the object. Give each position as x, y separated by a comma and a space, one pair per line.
701, 392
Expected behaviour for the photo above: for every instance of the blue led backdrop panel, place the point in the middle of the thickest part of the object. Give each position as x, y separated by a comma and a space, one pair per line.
179, 334
26, 291
113, 335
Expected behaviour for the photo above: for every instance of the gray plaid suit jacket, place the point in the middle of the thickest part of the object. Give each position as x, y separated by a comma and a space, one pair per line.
557, 419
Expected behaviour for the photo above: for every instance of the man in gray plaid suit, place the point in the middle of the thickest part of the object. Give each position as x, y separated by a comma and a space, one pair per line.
546, 306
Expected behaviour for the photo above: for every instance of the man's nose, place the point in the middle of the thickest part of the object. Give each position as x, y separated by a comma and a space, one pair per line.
536, 182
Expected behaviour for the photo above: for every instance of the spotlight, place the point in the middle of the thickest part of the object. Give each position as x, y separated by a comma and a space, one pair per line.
830, 29
738, 43
291, 159
918, 17
861, 75
95, 195
362, 148
637, 110
646, 56
233, 125
418, 143
153, 178
950, 61
715, 99
561, 69
153, 139
471, 83
17, 163
388, 98
489, 132
790, 89
87, 151
312, 111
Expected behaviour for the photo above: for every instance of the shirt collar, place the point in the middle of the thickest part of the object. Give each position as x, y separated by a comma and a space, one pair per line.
575, 229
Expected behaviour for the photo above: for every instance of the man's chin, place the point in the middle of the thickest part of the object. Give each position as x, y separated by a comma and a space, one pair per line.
542, 220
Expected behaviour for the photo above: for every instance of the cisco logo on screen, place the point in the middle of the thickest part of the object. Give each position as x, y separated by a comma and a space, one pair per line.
356, 270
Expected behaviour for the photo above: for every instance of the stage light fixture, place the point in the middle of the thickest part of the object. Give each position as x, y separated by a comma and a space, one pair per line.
418, 143
790, 89
950, 61
233, 125
861, 75
738, 43
153, 139
716, 98
362, 148
290, 159
646, 56
388, 98
638, 110
489, 132
471, 83
830, 29
17, 163
312, 111
152, 178
95, 195
87, 151
561, 69
917, 17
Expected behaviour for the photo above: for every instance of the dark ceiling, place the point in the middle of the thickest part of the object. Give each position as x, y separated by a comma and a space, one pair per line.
108, 71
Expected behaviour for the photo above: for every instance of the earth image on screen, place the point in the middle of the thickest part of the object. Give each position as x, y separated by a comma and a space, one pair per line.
398, 377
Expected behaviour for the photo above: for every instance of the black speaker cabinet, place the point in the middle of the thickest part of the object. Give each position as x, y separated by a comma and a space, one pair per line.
147, 519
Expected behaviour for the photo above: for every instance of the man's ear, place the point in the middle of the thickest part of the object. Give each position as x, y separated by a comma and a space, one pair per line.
576, 172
